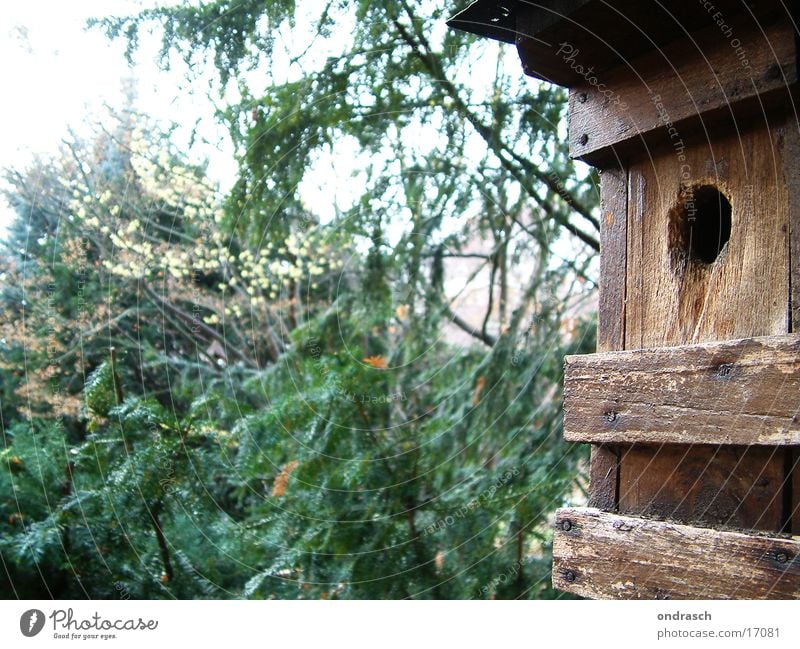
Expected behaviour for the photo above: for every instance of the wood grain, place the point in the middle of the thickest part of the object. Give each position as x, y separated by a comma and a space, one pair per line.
732, 486
795, 490
672, 300
604, 461
613, 232
734, 392
789, 146
685, 86
634, 335
608, 556
604, 477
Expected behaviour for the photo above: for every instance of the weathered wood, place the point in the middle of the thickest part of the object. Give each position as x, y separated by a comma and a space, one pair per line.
604, 477
789, 147
620, 29
602, 555
604, 461
795, 491
634, 261
683, 87
613, 230
732, 486
734, 392
789, 150
673, 300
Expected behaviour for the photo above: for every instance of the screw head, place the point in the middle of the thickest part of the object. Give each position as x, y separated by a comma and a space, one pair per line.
773, 72
610, 416
583, 97
569, 576
781, 557
566, 525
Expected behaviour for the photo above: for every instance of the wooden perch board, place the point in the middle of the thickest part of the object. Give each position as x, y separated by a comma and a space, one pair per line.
735, 392
602, 555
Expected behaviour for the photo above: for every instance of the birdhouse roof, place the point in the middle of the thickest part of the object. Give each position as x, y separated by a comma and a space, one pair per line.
606, 32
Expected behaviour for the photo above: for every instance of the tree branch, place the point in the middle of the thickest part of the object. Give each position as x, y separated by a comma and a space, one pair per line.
503, 152
202, 326
486, 338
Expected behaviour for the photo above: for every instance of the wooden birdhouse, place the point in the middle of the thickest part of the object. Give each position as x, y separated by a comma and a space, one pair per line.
692, 403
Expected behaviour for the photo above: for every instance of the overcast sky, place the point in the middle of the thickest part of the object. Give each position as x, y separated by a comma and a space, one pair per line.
56, 75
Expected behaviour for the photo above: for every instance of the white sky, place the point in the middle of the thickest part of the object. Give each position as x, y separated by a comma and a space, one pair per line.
57, 75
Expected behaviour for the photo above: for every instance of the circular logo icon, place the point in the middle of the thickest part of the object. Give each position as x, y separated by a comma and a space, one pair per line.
31, 622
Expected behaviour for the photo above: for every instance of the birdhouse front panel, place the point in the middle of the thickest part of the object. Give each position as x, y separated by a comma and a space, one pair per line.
708, 241
707, 260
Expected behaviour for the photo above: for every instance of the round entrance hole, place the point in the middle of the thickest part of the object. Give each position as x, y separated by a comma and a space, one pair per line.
700, 226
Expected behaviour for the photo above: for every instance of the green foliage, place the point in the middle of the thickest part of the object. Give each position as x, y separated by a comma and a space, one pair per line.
100, 390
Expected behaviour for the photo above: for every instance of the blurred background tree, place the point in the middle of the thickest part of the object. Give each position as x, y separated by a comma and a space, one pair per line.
340, 379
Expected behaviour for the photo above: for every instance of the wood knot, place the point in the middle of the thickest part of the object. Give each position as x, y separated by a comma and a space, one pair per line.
773, 72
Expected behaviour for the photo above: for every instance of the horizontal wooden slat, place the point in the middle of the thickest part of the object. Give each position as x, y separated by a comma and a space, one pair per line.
686, 81
607, 556
735, 392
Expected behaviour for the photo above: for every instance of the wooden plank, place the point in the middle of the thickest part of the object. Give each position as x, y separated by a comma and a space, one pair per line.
634, 262
789, 147
613, 254
732, 486
734, 392
604, 461
604, 477
667, 93
603, 556
790, 154
673, 300
795, 491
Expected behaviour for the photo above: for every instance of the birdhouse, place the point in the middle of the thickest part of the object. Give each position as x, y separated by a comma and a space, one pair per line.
692, 402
